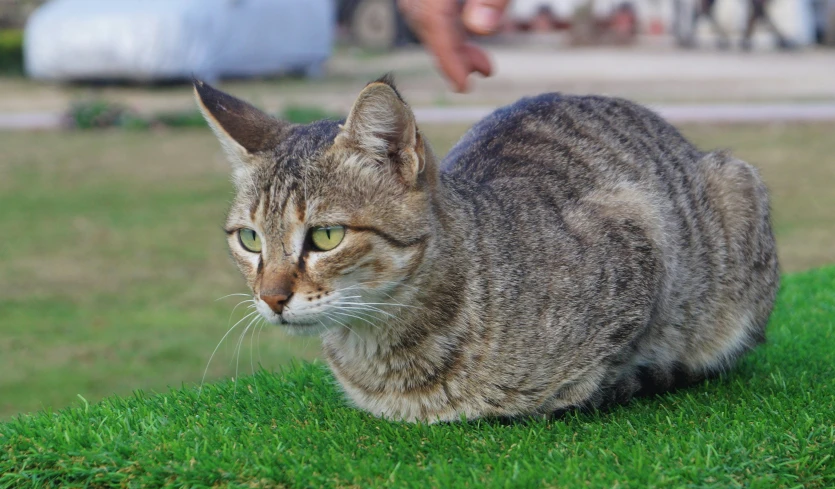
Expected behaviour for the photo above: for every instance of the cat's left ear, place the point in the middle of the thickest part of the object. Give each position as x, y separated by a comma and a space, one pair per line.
382, 126
243, 130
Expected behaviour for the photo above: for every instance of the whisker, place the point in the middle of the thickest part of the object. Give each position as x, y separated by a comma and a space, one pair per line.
388, 282
323, 325
360, 285
357, 317
251, 358
375, 304
238, 353
230, 295
358, 307
258, 341
249, 307
343, 324
367, 313
252, 304
218, 346
237, 356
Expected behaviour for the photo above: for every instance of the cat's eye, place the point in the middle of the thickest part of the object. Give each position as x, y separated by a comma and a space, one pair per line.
327, 238
249, 240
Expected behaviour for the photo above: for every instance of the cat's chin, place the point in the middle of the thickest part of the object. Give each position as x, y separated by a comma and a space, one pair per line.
295, 328
303, 329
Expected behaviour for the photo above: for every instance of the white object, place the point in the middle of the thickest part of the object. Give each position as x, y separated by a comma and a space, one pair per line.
525, 10
171, 39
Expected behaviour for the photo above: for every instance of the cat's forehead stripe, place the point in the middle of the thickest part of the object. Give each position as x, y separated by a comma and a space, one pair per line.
267, 200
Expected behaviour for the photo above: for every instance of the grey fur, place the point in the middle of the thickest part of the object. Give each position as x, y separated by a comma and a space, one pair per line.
568, 252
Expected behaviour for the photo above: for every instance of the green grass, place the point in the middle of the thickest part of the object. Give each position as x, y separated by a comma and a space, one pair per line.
113, 256
768, 424
11, 51
98, 113
111, 264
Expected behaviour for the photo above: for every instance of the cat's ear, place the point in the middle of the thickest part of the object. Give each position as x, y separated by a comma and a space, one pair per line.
243, 130
382, 126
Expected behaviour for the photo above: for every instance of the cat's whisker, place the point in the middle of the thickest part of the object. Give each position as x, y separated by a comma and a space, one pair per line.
361, 285
390, 297
366, 285
350, 287
329, 328
357, 317
218, 346
359, 307
373, 307
323, 325
235, 347
258, 341
237, 358
251, 306
391, 318
238, 352
394, 304
248, 308
230, 295
252, 356
388, 282
343, 324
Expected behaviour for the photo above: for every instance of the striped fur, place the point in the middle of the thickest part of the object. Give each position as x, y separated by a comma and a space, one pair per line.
568, 252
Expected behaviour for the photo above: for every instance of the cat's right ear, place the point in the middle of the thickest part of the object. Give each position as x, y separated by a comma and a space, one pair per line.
243, 130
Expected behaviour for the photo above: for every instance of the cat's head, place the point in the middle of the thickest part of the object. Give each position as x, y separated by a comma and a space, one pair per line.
330, 220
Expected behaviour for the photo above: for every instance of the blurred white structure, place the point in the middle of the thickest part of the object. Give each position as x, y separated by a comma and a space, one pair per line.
172, 39
522, 10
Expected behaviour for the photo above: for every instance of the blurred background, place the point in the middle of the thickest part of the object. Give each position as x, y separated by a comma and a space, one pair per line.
113, 264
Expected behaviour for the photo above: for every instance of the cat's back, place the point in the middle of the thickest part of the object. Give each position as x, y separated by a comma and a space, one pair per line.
628, 228
584, 142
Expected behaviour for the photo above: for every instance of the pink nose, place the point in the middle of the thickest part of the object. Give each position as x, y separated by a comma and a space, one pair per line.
276, 301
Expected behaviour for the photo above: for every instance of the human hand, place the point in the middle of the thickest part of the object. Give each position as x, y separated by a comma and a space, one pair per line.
438, 24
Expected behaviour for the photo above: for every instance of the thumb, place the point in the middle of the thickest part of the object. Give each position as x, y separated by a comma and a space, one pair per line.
484, 16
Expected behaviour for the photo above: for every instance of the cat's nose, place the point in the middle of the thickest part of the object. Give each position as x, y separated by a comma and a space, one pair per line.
276, 301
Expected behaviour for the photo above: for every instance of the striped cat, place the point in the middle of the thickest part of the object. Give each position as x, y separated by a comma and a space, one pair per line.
569, 252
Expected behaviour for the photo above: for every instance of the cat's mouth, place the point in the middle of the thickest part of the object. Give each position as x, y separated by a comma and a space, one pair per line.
294, 325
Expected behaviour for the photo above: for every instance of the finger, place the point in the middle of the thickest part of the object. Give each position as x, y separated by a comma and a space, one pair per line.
478, 60
484, 16
442, 35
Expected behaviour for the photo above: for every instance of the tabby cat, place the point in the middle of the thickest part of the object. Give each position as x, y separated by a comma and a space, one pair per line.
569, 252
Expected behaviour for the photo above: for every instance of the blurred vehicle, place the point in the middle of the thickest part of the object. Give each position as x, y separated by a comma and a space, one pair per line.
158, 40
374, 24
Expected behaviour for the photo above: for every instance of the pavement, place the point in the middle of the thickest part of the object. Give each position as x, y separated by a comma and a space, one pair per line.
677, 114
685, 86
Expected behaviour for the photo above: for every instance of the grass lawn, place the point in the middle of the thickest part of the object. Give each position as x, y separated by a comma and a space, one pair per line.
768, 424
113, 255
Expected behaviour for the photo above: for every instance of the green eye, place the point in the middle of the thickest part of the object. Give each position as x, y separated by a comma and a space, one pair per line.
327, 238
249, 240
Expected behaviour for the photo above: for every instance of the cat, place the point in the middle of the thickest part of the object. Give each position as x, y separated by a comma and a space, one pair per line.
569, 252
